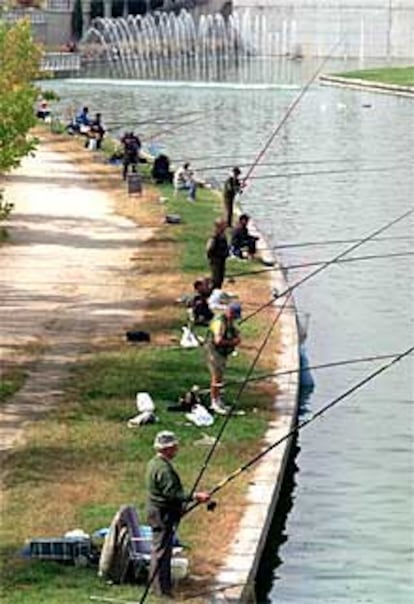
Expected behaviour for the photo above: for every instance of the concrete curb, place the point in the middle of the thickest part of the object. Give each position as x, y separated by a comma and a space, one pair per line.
360, 84
242, 562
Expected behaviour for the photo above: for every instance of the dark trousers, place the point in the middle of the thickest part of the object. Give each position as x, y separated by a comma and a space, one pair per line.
218, 268
162, 523
228, 208
128, 161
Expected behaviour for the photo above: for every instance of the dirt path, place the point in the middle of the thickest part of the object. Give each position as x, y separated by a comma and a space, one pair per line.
65, 278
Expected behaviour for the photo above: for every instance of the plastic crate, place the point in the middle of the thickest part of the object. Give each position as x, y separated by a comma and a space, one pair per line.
63, 549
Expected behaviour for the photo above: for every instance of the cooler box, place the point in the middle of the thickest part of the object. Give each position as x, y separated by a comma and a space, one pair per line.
66, 549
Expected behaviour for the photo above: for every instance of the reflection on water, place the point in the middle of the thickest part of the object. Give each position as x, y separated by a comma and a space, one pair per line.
348, 532
277, 533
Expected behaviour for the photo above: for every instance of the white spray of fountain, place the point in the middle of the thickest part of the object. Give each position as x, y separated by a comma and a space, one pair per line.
154, 45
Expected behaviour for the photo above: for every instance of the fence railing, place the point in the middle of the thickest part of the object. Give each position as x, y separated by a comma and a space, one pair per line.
60, 61
19, 13
60, 5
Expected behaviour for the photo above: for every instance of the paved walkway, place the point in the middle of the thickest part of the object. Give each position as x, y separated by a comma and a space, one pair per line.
65, 279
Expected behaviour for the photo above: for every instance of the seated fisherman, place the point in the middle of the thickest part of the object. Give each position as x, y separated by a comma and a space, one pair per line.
161, 169
241, 239
43, 110
82, 121
199, 309
184, 180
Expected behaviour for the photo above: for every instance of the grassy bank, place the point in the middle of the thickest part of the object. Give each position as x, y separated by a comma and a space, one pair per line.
82, 461
399, 76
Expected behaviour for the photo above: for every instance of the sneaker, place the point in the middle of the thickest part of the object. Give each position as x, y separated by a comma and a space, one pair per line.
220, 408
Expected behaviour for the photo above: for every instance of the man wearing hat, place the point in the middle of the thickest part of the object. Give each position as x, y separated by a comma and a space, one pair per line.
166, 503
222, 338
232, 186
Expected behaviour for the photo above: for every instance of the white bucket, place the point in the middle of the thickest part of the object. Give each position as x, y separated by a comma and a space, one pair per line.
179, 568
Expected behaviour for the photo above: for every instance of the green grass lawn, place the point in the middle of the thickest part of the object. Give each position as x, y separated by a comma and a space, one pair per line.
81, 461
403, 76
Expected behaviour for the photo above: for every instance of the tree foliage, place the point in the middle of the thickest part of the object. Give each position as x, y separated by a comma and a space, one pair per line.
19, 66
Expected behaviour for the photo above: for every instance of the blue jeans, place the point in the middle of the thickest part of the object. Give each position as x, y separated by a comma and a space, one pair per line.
189, 186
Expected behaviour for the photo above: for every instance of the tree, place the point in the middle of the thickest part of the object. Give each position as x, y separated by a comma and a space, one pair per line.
19, 66
77, 20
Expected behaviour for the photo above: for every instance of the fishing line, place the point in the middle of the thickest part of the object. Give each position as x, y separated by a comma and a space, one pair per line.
301, 425
232, 276
287, 267
287, 294
224, 482
289, 110
282, 163
329, 263
158, 118
287, 245
275, 374
329, 172
186, 123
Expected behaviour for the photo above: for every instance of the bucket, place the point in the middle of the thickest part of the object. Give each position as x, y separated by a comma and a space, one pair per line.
179, 568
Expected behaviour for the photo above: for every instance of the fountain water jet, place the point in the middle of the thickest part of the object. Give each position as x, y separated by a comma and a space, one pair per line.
156, 44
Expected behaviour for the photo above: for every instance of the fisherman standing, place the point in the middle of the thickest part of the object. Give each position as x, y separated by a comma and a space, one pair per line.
217, 250
222, 338
232, 187
166, 503
132, 148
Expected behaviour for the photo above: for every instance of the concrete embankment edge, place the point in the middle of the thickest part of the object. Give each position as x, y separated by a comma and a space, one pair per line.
241, 565
359, 84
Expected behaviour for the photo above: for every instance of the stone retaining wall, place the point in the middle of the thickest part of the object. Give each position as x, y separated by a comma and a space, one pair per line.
242, 562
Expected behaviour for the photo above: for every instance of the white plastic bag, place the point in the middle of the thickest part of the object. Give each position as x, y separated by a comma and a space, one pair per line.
188, 339
145, 403
200, 416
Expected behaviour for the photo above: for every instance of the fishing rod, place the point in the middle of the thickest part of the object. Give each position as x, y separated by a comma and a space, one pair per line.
286, 294
232, 276
276, 374
241, 274
280, 163
186, 123
224, 482
327, 172
152, 120
334, 260
173, 129
233, 406
318, 263
289, 110
282, 246
396, 359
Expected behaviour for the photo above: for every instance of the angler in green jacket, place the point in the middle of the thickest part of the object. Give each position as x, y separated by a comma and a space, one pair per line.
166, 503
